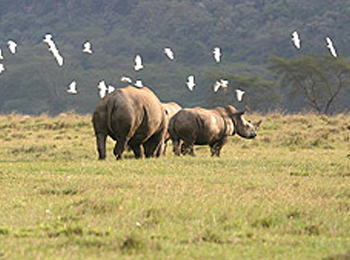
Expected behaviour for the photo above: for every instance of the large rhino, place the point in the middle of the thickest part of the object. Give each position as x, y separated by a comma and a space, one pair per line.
199, 126
133, 117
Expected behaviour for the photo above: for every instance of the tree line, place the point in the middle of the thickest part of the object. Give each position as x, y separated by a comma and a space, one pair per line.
254, 36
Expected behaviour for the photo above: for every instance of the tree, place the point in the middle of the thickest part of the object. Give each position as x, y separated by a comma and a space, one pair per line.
319, 79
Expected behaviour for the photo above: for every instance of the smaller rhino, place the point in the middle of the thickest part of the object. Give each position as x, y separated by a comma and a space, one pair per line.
170, 110
199, 126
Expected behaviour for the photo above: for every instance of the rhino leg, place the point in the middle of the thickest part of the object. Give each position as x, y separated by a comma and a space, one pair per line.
119, 148
187, 148
101, 145
138, 151
216, 147
154, 145
176, 147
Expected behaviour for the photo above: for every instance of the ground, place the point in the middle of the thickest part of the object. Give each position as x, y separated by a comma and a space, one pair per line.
284, 195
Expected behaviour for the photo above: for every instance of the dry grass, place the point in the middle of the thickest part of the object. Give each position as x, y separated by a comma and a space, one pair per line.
285, 195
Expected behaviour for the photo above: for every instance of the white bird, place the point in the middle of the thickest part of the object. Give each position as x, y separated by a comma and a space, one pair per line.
1, 57
217, 54
331, 47
138, 84
220, 83
12, 46
296, 40
190, 82
169, 53
87, 48
239, 94
110, 89
103, 88
125, 79
138, 62
72, 88
52, 47
2, 68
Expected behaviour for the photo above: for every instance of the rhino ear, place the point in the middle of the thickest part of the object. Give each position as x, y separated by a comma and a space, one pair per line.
256, 125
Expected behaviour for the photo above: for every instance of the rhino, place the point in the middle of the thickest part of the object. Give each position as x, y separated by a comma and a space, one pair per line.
133, 117
199, 126
170, 110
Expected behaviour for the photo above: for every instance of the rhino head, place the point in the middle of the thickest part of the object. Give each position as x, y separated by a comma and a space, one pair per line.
243, 128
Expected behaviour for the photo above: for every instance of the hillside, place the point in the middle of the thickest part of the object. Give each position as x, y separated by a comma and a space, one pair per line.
249, 32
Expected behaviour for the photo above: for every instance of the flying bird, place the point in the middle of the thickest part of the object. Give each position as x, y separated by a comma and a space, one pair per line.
138, 84
239, 94
190, 82
87, 48
72, 88
103, 88
169, 53
125, 79
12, 46
138, 62
2, 68
1, 57
222, 83
110, 89
296, 40
331, 47
217, 54
52, 47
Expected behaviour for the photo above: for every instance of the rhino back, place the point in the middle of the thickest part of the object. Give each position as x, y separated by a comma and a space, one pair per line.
136, 114
197, 125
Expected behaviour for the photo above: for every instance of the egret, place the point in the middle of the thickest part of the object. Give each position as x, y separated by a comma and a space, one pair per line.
169, 53
12, 46
1, 57
87, 48
138, 84
220, 83
296, 40
2, 68
103, 88
190, 82
217, 54
331, 47
138, 62
239, 94
72, 88
53, 49
110, 89
125, 79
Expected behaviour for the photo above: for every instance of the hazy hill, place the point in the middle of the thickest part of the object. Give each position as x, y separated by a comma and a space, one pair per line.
248, 32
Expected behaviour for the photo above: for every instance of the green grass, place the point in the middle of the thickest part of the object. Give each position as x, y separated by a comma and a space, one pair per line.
285, 195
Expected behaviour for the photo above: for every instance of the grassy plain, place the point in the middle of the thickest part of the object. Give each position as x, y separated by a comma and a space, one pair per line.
285, 195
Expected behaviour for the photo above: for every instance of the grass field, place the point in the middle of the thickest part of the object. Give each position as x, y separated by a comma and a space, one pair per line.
284, 195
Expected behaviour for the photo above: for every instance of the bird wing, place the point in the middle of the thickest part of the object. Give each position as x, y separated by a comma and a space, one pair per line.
329, 41
217, 85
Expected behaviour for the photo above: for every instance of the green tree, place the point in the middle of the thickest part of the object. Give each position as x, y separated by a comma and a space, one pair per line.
319, 79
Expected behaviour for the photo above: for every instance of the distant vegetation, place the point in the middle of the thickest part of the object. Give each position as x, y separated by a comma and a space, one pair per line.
249, 33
